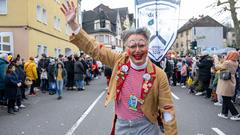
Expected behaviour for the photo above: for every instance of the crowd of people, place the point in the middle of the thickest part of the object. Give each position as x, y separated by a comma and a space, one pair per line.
216, 77
20, 79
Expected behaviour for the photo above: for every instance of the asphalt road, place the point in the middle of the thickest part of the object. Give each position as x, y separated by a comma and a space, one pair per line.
83, 113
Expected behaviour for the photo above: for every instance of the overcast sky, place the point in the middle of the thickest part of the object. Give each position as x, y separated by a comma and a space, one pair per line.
188, 8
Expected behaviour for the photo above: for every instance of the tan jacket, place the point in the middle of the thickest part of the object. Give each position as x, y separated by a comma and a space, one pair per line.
159, 97
227, 87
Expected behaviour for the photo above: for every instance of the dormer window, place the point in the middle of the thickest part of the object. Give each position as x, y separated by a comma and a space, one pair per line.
102, 24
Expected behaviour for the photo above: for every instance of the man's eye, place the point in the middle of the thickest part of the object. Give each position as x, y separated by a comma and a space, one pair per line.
141, 45
133, 46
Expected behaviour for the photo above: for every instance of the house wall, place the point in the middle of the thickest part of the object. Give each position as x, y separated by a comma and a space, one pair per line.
209, 37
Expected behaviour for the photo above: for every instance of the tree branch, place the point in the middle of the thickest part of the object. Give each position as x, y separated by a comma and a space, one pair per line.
221, 3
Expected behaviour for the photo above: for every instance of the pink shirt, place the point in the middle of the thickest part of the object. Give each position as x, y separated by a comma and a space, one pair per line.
132, 85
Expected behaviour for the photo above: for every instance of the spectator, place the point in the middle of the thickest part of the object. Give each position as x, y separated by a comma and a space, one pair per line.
42, 70
60, 77
12, 84
79, 72
108, 74
226, 88
30, 69
204, 65
3, 68
69, 65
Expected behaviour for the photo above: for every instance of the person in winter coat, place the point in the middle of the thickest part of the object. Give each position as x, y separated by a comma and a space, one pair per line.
226, 88
3, 68
60, 77
204, 65
79, 73
30, 69
69, 65
43, 71
184, 74
12, 84
95, 69
21, 77
51, 77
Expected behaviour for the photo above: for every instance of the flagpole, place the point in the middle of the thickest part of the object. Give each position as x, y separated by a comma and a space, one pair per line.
156, 17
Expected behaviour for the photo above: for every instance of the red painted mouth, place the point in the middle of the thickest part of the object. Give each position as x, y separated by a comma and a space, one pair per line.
138, 56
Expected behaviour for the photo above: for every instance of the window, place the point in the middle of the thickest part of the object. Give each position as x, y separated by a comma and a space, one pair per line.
96, 25
42, 49
106, 39
101, 38
68, 52
44, 16
6, 42
58, 2
57, 23
39, 9
102, 23
41, 14
177, 45
186, 33
181, 34
39, 51
57, 52
108, 25
116, 40
45, 50
67, 28
119, 42
233, 34
3, 7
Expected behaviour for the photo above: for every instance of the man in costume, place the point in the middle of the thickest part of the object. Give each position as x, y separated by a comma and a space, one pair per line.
139, 88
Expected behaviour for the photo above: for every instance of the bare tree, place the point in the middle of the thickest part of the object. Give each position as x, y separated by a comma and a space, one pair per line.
231, 5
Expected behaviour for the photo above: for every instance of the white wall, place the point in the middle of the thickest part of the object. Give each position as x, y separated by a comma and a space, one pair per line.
209, 37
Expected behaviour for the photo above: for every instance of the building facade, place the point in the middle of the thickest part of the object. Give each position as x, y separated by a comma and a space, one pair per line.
106, 25
33, 27
230, 38
206, 31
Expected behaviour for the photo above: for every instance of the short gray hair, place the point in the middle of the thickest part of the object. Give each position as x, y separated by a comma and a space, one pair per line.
140, 31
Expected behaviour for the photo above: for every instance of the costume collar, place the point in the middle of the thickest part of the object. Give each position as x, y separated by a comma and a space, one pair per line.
136, 67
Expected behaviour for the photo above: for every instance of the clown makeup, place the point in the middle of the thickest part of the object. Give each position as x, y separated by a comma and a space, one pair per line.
137, 49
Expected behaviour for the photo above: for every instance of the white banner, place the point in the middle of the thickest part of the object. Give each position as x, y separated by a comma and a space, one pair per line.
161, 18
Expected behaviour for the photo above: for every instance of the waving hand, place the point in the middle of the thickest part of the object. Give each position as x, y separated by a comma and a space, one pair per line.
70, 14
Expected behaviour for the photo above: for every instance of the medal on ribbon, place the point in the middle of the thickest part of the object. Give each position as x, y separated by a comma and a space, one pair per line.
132, 102
124, 69
146, 77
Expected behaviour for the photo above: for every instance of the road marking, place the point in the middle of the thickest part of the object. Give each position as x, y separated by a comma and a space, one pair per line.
218, 131
176, 97
79, 121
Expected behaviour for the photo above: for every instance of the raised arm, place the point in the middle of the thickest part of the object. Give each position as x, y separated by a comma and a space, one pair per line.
84, 41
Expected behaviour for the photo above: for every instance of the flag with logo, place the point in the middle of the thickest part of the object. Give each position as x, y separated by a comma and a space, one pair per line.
161, 18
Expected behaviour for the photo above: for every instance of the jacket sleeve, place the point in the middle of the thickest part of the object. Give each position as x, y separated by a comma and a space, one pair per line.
166, 107
34, 68
98, 52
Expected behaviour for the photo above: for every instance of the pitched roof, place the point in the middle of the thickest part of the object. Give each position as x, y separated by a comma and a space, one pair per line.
88, 17
205, 21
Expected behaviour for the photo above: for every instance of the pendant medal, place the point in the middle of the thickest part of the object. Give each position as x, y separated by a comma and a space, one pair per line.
132, 102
